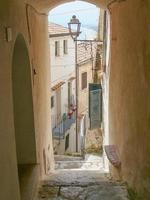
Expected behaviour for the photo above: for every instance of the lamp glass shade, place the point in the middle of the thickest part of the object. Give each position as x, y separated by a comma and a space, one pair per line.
74, 27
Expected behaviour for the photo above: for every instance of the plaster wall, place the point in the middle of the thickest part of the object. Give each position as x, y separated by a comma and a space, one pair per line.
23, 104
62, 69
64, 91
13, 14
129, 97
83, 93
62, 66
60, 145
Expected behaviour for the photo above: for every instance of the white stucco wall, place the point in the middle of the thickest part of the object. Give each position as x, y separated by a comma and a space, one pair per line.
62, 68
64, 65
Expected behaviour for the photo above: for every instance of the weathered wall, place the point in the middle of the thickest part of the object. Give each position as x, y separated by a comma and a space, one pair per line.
83, 93
13, 14
38, 25
62, 66
60, 145
23, 104
129, 99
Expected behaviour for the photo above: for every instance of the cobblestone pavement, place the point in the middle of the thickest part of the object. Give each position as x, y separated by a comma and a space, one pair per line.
81, 185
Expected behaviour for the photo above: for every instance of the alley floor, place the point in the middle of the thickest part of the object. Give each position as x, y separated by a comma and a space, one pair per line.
81, 184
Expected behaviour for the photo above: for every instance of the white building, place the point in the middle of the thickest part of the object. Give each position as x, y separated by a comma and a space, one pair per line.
63, 103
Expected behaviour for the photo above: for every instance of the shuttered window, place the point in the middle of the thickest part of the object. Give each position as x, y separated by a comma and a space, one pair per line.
57, 48
65, 45
84, 80
52, 101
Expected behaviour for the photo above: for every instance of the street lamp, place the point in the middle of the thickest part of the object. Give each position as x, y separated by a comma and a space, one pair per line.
74, 30
74, 27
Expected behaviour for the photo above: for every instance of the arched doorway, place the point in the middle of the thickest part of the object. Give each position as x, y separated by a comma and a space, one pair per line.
94, 138
23, 112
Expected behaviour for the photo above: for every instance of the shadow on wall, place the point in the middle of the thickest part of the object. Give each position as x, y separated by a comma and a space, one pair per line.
24, 118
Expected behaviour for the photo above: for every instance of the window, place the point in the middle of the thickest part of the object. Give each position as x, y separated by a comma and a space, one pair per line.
65, 45
52, 101
67, 142
57, 48
69, 94
84, 80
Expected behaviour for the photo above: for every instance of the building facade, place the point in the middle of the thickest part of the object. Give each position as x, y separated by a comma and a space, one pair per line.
87, 60
63, 101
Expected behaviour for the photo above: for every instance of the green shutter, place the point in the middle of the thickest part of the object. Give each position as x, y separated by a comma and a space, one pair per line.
95, 105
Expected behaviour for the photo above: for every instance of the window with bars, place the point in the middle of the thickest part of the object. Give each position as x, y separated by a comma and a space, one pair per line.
84, 80
65, 46
57, 48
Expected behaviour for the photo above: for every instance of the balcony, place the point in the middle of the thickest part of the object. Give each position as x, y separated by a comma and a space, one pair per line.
60, 129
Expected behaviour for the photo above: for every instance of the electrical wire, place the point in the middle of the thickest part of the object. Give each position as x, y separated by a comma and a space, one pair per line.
73, 64
64, 13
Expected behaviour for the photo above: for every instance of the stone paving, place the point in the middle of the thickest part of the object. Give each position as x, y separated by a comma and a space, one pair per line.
91, 162
81, 184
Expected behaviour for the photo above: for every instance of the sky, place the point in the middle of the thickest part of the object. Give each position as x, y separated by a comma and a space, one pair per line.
83, 11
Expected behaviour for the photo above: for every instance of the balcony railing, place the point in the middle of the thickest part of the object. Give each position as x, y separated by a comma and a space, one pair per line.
63, 125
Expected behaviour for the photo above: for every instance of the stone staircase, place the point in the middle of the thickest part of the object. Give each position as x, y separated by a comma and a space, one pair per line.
81, 185
72, 181
91, 162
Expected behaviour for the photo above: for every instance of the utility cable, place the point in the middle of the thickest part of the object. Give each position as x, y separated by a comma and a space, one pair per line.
64, 13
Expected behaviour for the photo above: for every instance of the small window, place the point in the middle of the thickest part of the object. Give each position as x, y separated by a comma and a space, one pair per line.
65, 45
69, 95
57, 48
52, 101
84, 80
67, 142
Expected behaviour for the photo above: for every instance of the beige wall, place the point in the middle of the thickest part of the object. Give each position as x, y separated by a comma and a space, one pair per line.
23, 104
129, 99
12, 13
83, 94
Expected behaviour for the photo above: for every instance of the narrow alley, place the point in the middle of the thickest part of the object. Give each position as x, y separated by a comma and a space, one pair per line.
81, 182
74, 81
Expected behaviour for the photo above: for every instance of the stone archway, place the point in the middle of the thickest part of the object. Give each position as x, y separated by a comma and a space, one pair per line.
23, 113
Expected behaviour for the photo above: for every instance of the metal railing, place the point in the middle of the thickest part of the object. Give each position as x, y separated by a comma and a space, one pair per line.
60, 124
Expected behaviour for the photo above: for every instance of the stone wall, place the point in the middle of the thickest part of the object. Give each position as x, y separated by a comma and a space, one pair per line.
94, 141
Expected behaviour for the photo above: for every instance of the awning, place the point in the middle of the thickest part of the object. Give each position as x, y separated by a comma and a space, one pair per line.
72, 78
57, 86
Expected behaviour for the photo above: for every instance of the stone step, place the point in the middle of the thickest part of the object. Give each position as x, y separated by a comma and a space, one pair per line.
81, 185
93, 162
78, 164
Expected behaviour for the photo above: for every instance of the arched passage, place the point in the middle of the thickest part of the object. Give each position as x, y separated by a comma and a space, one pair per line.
47, 5
23, 105
23, 117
